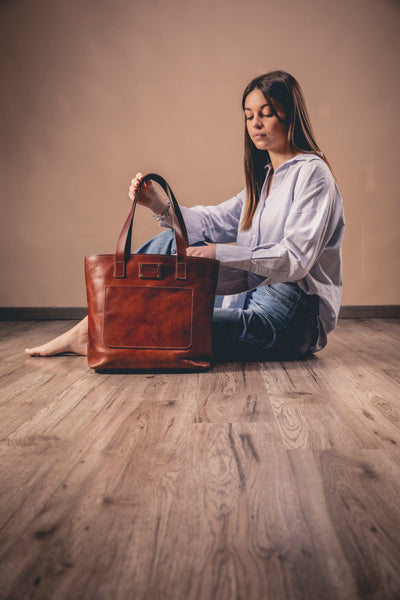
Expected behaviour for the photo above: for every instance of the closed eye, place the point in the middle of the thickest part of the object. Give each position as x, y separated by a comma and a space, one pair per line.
263, 115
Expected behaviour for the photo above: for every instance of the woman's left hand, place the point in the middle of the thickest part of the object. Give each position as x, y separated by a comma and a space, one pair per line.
208, 251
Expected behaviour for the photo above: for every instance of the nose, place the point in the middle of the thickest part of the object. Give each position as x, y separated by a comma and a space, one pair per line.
257, 122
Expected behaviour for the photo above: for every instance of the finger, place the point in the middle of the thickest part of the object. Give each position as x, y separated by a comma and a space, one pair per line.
134, 185
137, 179
131, 191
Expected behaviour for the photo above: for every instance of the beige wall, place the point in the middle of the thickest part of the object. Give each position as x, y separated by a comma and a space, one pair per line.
93, 91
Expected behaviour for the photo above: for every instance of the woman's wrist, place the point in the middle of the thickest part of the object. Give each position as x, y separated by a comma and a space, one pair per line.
163, 214
157, 205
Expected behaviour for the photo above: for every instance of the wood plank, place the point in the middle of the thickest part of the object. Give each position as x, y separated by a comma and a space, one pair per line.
383, 350
277, 480
238, 525
384, 328
132, 463
45, 449
231, 394
20, 398
15, 364
351, 504
21, 334
309, 399
312, 413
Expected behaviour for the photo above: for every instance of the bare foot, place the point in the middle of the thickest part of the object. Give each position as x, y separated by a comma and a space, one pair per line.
74, 340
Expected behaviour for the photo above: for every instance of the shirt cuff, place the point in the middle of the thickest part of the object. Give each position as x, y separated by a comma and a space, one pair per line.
192, 224
238, 257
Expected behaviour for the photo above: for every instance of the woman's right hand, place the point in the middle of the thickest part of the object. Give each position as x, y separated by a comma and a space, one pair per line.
148, 195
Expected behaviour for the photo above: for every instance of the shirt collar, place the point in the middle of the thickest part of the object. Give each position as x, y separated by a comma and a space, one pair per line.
304, 156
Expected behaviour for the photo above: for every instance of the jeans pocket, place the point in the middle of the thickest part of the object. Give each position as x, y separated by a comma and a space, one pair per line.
278, 302
299, 338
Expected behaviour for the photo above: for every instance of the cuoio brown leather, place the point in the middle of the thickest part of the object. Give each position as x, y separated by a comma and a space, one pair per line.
150, 312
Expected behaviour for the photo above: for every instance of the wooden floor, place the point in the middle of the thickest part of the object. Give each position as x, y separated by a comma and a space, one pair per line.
252, 481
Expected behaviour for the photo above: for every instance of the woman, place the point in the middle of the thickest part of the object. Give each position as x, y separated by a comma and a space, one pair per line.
282, 278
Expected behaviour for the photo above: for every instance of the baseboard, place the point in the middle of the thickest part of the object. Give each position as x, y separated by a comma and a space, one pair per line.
56, 313
380, 311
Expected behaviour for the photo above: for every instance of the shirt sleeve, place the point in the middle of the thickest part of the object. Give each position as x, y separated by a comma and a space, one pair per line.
214, 224
304, 233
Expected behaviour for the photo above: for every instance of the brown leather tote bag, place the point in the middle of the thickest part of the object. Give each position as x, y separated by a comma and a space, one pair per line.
150, 312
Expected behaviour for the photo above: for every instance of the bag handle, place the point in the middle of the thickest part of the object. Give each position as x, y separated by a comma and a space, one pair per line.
123, 250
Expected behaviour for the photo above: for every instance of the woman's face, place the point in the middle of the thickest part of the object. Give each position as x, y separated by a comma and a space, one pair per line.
266, 131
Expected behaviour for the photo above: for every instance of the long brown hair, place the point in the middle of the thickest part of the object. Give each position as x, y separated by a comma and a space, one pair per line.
278, 87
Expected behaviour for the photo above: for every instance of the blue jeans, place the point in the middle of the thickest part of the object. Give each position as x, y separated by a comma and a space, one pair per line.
278, 322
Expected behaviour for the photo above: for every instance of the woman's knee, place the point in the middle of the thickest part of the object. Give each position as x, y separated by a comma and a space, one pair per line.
163, 243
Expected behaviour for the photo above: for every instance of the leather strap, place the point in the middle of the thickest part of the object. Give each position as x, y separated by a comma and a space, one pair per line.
123, 250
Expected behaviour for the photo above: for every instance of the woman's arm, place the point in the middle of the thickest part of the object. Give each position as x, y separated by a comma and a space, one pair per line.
214, 224
150, 197
203, 223
314, 215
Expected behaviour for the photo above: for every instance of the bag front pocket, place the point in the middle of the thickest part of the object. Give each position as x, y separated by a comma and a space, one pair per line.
160, 317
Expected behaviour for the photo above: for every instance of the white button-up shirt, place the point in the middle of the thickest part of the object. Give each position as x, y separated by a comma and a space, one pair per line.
296, 235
